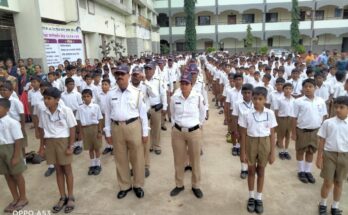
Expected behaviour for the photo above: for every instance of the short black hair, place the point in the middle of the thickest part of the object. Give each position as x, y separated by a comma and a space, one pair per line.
340, 75
5, 103
69, 80
87, 91
310, 81
295, 70
280, 81
107, 81
45, 84
319, 74
341, 100
50, 73
7, 85
52, 92
288, 85
267, 76
70, 67
88, 76
260, 91
247, 87
237, 75
35, 78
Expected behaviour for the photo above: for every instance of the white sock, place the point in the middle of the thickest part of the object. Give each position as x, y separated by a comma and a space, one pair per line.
251, 194
97, 162
237, 145
258, 196
323, 202
300, 165
285, 150
308, 167
81, 143
76, 143
335, 204
25, 161
93, 162
51, 166
244, 167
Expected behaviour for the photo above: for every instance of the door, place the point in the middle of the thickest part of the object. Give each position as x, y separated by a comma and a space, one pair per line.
208, 44
231, 19
345, 44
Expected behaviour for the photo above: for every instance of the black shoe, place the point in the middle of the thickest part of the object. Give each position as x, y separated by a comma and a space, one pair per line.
287, 156
164, 128
97, 170
77, 150
188, 168
281, 155
139, 192
234, 151
158, 152
258, 206
176, 191
238, 151
91, 170
198, 192
251, 205
322, 209
107, 150
310, 177
302, 177
151, 150
123, 193
49, 171
147, 172
243, 174
221, 112
336, 211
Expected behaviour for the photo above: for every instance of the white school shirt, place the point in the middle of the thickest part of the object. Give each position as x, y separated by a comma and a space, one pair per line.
242, 107
309, 113
41, 106
34, 97
256, 83
156, 92
58, 124
89, 114
187, 112
339, 91
273, 97
16, 109
284, 106
288, 69
101, 100
233, 96
10, 130
323, 92
72, 100
258, 124
199, 88
122, 106
297, 86
334, 131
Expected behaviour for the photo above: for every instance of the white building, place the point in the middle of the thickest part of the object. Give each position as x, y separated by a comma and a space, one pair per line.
223, 23
131, 23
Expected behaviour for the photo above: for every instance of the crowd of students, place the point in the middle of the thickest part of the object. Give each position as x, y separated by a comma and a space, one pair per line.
265, 102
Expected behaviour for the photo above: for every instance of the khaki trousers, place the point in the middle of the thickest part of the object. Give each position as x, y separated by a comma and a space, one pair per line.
163, 123
187, 143
155, 132
129, 148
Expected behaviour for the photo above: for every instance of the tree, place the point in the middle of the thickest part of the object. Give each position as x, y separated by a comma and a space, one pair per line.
107, 47
295, 31
249, 38
190, 31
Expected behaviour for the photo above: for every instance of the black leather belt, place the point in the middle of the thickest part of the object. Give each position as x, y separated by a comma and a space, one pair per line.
308, 130
186, 129
125, 122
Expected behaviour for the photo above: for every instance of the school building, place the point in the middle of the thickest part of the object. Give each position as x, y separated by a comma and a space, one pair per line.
54, 30
223, 23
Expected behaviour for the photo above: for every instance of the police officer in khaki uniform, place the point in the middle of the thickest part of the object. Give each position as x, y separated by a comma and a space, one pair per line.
126, 126
188, 113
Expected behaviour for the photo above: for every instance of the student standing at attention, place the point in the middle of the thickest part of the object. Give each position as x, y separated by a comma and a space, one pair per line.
258, 145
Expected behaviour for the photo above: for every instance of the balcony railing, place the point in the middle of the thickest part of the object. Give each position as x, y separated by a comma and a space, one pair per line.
236, 28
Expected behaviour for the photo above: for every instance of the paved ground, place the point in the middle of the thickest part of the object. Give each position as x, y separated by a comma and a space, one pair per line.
224, 191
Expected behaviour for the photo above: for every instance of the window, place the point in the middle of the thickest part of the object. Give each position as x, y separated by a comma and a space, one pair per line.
180, 47
345, 14
270, 42
302, 15
271, 17
208, 44
231, 19
180, 21
203, 20
338, 12
91, 7
300, 41
319, 15
163, 20
248, 18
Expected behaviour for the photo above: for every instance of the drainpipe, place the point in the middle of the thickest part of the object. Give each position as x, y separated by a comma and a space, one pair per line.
264, 20
312, 24
216, 24
170, 27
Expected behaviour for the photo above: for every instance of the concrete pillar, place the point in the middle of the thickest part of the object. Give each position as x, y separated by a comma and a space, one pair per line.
29, 32
93, 42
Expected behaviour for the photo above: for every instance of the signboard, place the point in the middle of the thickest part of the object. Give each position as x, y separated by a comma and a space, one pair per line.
62, 42
4, 3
